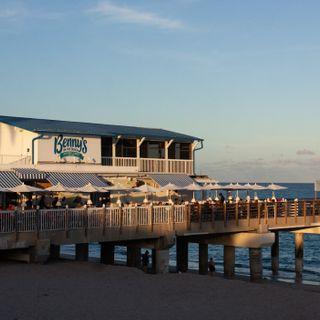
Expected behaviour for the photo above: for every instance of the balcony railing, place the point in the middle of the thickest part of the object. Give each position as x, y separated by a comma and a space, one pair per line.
151, 165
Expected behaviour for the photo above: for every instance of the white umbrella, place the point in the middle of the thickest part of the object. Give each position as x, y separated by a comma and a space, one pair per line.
4, 190
170, 187
229, 187
89, 188
118, 188
215, 187
58, 188
24, 188
275, 187
193, 187
146, 189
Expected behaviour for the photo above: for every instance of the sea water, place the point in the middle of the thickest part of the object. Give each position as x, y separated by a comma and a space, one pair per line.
311, 270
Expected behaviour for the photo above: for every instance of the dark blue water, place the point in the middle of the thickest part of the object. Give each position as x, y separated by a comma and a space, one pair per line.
311, 273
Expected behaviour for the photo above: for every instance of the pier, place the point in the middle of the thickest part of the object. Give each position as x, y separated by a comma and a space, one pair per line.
36, 235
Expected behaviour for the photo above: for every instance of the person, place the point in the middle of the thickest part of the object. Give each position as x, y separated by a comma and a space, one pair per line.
211, 266
221, 197
145, 261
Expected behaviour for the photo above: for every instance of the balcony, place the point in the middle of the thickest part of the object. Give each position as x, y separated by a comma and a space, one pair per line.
151, 165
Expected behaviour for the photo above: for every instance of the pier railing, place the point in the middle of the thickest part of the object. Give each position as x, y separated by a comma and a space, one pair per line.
151, 165
244, 214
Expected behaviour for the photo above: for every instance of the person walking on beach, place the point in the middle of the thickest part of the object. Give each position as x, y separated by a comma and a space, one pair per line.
145, 261
211, 266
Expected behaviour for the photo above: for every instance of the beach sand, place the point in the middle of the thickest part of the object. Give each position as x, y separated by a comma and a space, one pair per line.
88, 290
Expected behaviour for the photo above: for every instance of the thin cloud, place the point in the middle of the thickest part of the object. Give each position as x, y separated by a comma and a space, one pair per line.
305, 152
125, 14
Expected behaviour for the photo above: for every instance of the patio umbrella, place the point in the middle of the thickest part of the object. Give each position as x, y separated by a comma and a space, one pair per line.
193, 187
275, 187
4, 190
146, 189
215, 187
58, 188
89, 188
24, 188
119, 188
170, 187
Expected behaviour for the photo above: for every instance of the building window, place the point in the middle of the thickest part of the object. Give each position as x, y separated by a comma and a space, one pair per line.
126, 148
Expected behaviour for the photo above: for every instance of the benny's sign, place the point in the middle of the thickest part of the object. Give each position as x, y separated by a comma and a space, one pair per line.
66, 147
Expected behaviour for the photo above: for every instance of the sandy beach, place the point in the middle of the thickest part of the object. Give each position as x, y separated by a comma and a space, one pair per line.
76, 290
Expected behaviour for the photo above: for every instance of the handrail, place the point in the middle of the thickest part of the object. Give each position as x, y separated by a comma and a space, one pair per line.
251, 214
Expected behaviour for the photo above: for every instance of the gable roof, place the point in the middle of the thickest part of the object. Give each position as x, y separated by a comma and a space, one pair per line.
93, 129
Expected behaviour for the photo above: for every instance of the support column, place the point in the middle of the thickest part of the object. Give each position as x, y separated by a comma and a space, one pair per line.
203, 258
228, 261
40, 253
133, 256
82, 251
182, 254
275, 255
255, 257
107, 253
298, 238
160, 261
54, 252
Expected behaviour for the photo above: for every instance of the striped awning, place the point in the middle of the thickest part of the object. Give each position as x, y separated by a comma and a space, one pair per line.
180, 180
8, 179
30, 174
75, 180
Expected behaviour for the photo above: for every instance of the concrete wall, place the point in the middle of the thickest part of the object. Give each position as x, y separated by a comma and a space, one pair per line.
15, 143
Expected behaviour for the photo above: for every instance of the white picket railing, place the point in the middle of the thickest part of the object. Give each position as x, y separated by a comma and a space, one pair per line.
52, 219
91, 218
151, 164
179, 213
26, 221
161, 214
7, 221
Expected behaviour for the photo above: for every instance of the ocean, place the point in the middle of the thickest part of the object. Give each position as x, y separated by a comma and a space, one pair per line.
311, 272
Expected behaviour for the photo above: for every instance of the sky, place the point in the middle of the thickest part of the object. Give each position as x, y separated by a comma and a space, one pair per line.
243, 75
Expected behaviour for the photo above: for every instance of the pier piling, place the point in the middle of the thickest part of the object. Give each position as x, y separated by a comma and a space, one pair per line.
54, 252
160, 260
299, 237
275, 255
133, 256
107, 253
203, 258
182, 254
255, 257
82, 251
228, 261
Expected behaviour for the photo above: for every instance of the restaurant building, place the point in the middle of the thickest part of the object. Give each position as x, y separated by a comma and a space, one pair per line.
75, 153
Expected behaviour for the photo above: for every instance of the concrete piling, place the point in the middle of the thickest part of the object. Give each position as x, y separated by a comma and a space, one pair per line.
255, 257
203, 258
228, 261
299, 255
133, 256
160, 260
275, 255
54, 252
182, 254
82, 251
107, 253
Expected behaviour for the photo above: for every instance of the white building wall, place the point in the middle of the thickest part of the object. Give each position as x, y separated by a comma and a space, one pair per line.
15, 143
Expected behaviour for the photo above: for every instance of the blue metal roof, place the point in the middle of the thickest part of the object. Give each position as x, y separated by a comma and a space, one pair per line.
95, 129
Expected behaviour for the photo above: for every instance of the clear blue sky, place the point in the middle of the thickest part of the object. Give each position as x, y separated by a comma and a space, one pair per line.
244, 75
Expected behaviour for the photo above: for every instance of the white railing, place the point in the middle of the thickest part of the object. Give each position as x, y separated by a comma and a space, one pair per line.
26, 221
151, 165
113, 217
76, 218
7, 221
143, 216
179, 213
161, 214
52, 219
95, 217
91, 218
